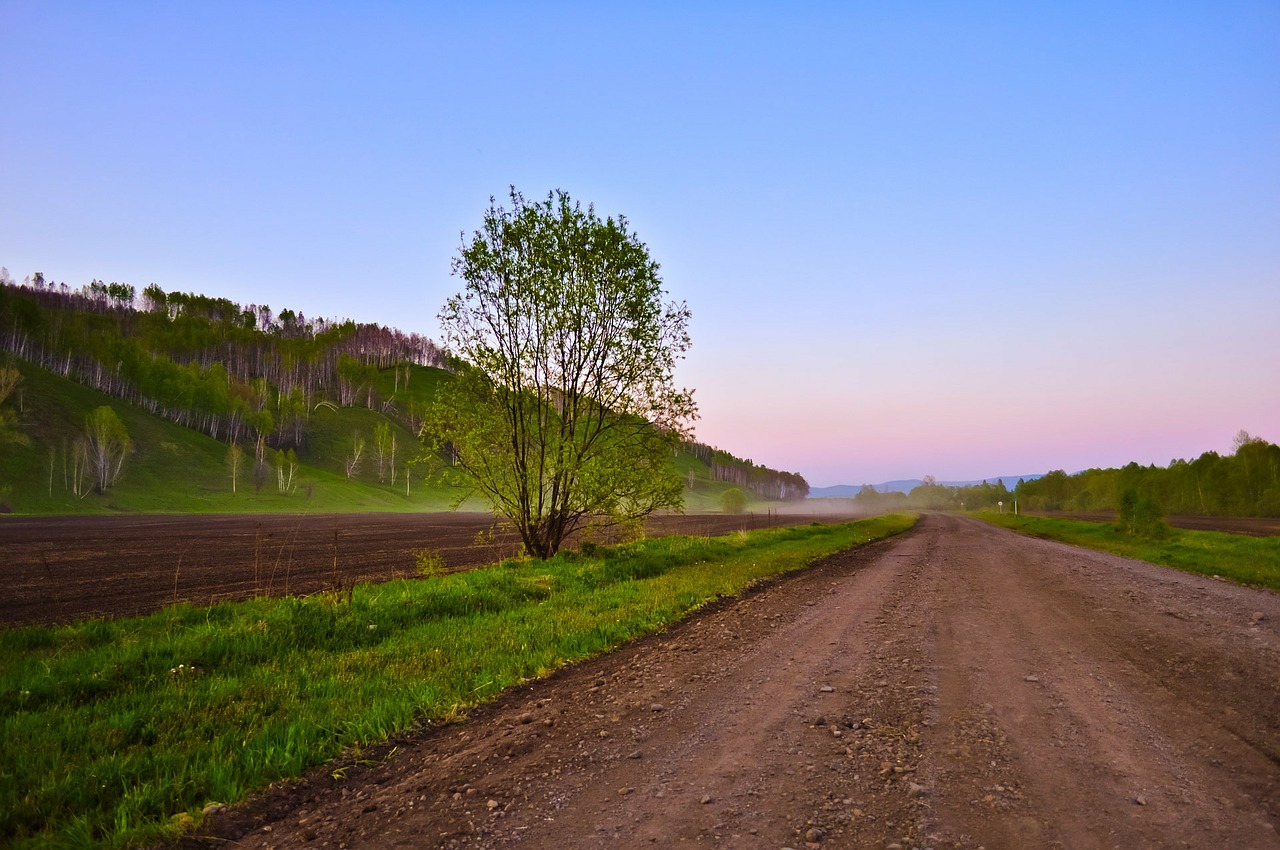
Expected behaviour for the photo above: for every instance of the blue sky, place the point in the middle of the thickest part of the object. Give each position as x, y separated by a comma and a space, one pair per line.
952, 239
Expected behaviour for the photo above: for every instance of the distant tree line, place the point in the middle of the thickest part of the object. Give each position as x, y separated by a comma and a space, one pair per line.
233, 372
1243, 483
930, 495
765, 483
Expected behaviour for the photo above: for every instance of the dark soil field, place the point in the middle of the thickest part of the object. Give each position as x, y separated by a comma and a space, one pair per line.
61, 569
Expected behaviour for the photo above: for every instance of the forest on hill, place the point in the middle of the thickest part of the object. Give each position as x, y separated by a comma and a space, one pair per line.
230, 371
280, 391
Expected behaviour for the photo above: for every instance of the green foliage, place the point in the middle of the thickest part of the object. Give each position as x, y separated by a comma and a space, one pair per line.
707, 473
430, 563
733, 500
1140, 516
107, 444
175, 470
111, 729
1245, 483
930, 495
230, 371
1248, 560
235, 463
10, 431
566, 409
272, 385
933, 496
763, 482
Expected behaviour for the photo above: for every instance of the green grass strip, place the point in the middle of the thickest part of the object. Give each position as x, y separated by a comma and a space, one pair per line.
117, 733
1247, 560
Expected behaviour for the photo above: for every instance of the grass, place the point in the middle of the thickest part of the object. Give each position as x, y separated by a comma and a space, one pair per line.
416, 393
177, 470
117, 733
1247, 560
704, 494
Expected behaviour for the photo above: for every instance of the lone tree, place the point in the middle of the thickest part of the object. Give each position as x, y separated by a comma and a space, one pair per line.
107, 444
564, 410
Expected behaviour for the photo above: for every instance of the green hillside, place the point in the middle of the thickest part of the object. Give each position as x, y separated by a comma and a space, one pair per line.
172, 469
322, 415
176, 469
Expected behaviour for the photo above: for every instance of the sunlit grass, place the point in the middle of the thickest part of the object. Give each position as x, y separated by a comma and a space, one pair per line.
115, 733
1248, 560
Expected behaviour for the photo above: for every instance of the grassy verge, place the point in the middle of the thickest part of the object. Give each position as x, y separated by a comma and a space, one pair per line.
115, 733
1248, 560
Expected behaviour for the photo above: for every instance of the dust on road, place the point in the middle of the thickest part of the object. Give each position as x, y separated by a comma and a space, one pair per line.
958, 686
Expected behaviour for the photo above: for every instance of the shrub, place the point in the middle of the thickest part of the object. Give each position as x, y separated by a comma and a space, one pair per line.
430, 563
1140, 516
733, 500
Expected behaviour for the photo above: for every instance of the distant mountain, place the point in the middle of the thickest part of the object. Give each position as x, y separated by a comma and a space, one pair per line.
906, 485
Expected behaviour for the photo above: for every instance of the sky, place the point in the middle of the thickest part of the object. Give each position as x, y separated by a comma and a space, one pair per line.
960, 240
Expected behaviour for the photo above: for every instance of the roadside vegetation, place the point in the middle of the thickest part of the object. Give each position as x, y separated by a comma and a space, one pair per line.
118, 733
1247, 560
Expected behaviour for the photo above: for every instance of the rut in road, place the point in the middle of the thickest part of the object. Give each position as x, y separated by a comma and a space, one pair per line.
958, 686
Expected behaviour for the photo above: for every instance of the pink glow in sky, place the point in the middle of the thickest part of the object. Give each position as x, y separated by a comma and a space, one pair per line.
949, 240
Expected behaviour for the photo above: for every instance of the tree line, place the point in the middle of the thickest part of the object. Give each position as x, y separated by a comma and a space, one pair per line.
249, 375
932, 496
1245, 482
231, 371
762, 481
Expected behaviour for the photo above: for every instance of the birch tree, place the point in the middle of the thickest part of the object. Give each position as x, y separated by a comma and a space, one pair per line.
107, 444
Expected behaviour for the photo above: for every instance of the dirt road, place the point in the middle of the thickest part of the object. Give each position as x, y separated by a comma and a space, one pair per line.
959, 686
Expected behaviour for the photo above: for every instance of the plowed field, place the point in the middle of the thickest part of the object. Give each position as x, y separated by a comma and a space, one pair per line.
60, 569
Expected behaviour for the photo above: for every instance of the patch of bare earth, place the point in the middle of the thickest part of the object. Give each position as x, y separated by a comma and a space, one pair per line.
958, 686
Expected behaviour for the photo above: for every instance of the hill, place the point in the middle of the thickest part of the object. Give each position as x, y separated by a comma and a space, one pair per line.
231, 408
174, 469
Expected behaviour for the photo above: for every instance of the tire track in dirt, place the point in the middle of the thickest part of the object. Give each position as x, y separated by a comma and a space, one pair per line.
957, 686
